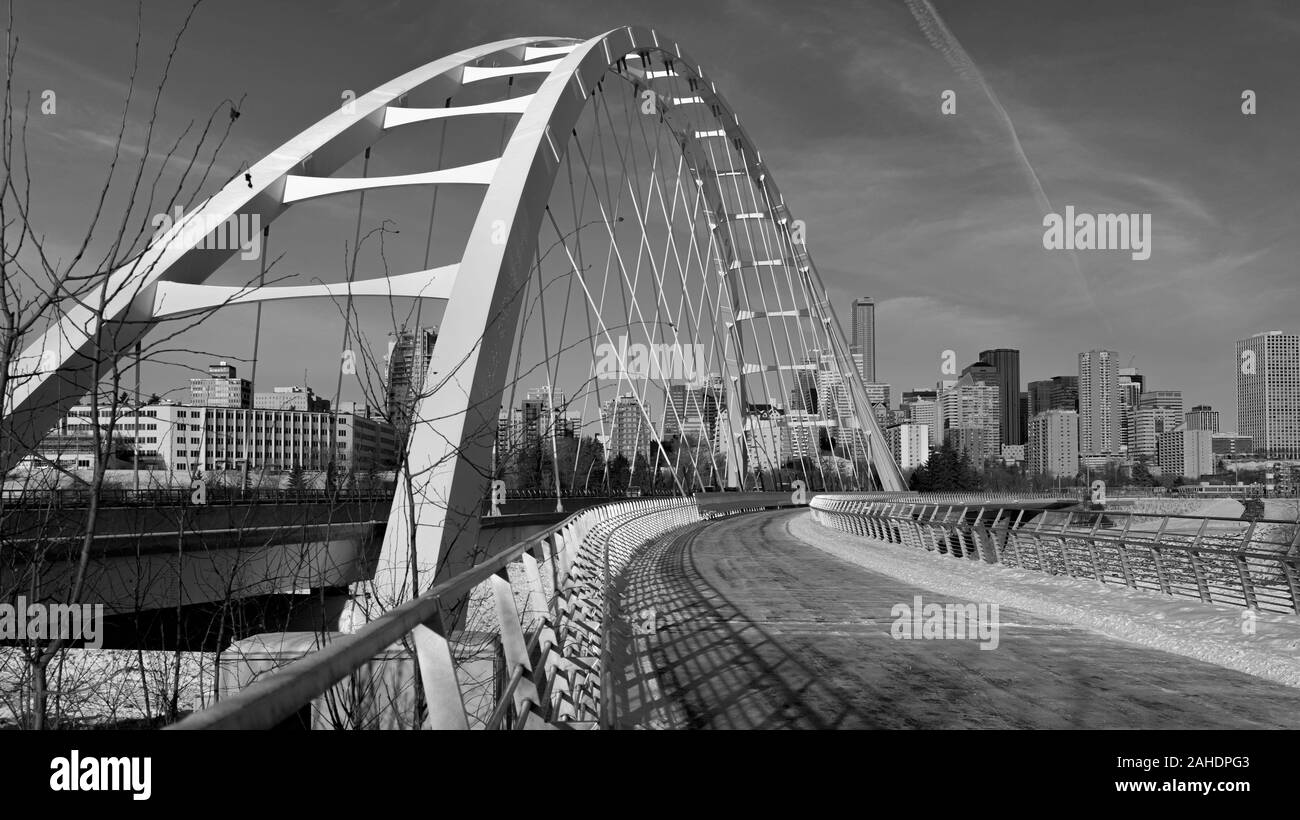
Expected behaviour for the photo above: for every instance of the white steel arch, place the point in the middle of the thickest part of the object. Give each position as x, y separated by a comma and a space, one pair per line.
457, 421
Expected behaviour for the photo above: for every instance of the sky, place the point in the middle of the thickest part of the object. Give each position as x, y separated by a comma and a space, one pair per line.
1118, 107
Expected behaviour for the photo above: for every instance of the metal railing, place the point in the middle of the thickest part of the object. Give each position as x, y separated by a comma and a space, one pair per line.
552, 646
78, 497
964, 497
1252, 564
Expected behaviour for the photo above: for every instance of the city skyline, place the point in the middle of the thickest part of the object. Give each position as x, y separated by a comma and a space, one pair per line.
1019, 295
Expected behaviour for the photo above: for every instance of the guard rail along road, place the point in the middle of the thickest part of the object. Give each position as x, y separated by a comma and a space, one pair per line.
1251, 564
551, 614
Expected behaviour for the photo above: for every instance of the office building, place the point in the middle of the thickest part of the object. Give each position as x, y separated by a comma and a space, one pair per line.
409, 353
910, 444
925, 412
1162, 399
1203, 417
767, 440
804, 434
628, 428
143, 433
864, 337
1268, 392
1149, 423
1053, 446
292, 398
1056, 393
1186, 453
1230, 445
859, 364
1006, 363
191, 438
354, 408
970, 405
1131, 376
221, 388
803, 396
980, 371
877, 393
1130, 391
1099, 411
691, 411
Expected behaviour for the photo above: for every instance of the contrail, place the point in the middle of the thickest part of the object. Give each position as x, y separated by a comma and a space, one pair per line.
946, 43
932, 26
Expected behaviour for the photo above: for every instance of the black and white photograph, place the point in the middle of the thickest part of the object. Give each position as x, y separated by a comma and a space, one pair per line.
914, 372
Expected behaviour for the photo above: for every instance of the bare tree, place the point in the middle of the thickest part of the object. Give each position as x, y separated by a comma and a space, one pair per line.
109, 264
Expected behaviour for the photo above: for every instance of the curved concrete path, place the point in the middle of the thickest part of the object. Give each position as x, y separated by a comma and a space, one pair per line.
754, 628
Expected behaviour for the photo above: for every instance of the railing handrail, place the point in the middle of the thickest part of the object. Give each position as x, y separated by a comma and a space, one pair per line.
276, 697
931, 501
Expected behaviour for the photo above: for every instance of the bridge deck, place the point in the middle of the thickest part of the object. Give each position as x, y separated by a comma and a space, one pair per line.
758, 629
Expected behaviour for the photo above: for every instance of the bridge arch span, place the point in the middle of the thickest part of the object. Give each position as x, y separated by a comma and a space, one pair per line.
432, 529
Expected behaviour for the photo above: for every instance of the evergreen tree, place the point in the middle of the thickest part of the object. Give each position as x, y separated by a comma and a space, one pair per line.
947, 470
644, 477
1142, 475
921, 480
967, 474
620, 471
944, 464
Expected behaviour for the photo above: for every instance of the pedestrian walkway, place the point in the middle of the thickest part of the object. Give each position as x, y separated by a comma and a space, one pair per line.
746, 626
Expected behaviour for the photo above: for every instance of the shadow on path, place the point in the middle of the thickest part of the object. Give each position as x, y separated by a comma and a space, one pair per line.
705, 664
738, 624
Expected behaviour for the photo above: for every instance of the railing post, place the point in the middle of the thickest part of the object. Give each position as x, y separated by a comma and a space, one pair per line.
1293, 581
1161, 579
1013, 538
1250, 533
1123, 552
1124, 566
514, 647
961, 536
993, 536
1202, 585
907, 533
1063, 542
442, 695
1092, 557
535, 598
1247, 588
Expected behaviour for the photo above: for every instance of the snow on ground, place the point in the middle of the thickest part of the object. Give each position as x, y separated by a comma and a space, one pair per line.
1207, 632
